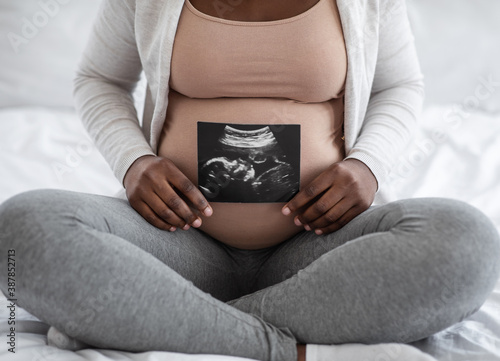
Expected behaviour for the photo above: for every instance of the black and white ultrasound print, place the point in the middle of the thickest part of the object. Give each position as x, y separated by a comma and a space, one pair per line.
248, 163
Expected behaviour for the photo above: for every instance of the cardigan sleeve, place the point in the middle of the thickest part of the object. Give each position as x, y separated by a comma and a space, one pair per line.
108, 73
396, 97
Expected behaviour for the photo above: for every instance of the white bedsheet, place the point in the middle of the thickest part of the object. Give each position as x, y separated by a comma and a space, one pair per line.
48, 148
44, 148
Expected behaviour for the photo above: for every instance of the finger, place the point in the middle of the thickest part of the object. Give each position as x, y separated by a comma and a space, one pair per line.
341, 222
176, 204
181, 210
306, 195
191, 192
319, 208
159, 207
151, 217
332, 216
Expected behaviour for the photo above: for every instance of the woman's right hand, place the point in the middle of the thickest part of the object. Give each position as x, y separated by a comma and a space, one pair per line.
160, 193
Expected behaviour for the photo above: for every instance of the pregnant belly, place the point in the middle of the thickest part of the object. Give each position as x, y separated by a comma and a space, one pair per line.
249, 156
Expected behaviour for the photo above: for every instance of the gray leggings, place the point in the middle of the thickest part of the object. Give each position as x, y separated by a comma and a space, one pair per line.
94, 268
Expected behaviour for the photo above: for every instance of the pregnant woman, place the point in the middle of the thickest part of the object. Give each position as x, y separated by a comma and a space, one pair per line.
270, 127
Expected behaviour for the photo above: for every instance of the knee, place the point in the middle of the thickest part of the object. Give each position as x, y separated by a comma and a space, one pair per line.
468, 231
25, 217
468, 245
15, 215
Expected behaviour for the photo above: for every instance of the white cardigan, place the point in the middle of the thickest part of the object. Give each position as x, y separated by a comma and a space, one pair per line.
383, 96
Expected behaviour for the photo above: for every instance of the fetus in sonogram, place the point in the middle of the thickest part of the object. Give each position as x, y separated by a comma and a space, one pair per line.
248, 165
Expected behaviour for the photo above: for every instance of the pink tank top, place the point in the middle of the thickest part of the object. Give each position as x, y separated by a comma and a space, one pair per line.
255, 111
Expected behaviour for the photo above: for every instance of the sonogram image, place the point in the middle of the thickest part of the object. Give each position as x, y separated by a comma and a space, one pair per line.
248, 163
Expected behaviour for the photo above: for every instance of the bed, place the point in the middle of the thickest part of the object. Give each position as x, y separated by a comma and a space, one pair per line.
454, 154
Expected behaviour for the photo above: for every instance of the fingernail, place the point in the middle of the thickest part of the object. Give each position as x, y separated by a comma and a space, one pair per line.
307, 228
208, 211
286, 211
297, 222
186, 227
197, 223
172, 229
319, 232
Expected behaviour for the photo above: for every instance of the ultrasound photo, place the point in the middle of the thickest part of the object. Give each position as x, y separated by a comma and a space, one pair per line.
250, 163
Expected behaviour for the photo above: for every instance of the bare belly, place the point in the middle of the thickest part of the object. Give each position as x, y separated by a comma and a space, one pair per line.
211, 142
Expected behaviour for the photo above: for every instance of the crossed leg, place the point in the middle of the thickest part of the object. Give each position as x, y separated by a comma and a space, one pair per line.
93, 268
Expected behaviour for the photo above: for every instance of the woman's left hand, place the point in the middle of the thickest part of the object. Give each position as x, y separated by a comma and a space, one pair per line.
334, 198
